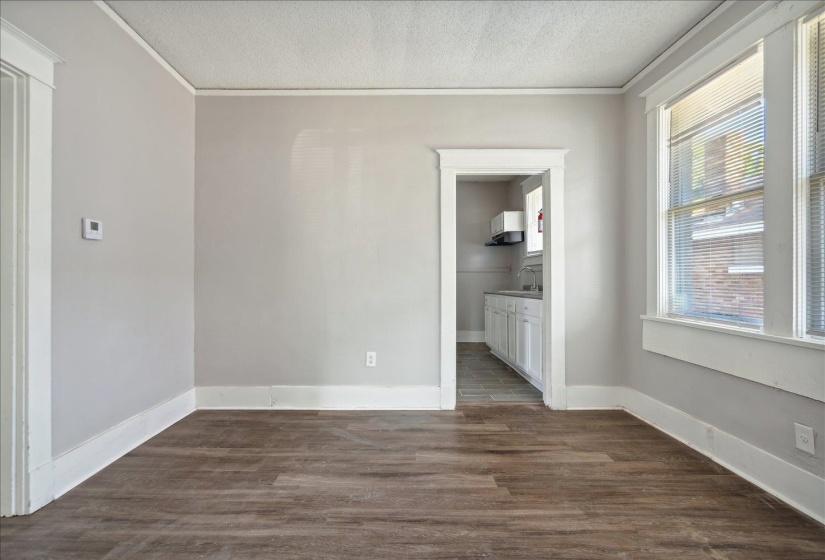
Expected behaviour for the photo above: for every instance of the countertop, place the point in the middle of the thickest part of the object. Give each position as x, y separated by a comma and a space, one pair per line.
518, 293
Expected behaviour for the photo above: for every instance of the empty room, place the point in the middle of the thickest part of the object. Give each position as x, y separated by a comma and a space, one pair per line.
412, 279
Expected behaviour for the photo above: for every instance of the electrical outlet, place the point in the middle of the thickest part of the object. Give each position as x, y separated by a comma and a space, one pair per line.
371, 359
804, 438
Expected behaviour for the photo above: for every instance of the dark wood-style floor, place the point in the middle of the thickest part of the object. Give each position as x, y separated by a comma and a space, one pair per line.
502, 481
482, 377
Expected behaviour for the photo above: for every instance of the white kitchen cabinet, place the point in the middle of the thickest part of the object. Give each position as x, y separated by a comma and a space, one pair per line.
511, 336
534, 347
488, 326
513, 331
522, 349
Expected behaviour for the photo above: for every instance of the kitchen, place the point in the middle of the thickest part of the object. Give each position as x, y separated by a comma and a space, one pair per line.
499, 293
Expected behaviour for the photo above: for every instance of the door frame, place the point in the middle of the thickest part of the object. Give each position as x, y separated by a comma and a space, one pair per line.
26, 433
550, 164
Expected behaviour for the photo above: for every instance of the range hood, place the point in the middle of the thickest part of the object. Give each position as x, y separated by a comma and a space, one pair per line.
507, 228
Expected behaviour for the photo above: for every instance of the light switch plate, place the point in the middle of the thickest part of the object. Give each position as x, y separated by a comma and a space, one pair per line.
92, 229
804, 438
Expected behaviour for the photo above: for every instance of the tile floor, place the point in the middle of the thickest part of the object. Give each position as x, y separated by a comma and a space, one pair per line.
484, 378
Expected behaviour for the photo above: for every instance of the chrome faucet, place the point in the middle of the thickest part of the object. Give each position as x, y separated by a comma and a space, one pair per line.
534, 287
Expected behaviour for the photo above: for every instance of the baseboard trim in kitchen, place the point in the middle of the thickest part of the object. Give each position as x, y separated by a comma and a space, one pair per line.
583, 397
469, 336
324, 397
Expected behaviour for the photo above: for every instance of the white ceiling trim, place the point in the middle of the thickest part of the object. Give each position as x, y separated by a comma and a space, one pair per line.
723, 7
146, 46
433, 91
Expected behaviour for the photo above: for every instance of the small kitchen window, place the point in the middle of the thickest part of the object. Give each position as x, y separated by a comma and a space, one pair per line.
533, 220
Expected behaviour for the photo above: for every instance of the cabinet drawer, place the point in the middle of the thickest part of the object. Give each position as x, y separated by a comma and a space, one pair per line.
530, 307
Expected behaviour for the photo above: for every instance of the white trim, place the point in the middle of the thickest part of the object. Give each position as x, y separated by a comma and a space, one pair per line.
718, 11
469, 336
724, 49
76, 465
797, 487
323, 397
793, 365
583, 397
550, 163
30, 65
148, 48
406, 91
26, 54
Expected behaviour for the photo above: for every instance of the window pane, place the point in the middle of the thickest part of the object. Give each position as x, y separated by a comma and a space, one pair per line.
715, 204
815, 234
716, 261
532, 207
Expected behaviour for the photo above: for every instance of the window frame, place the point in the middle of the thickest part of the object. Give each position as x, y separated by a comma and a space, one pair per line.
778, 355
529, 186
665, 273
802, 173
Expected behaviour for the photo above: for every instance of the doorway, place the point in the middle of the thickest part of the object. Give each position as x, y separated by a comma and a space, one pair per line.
550, 165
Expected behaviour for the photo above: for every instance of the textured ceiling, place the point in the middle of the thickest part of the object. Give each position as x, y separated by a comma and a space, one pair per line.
327, 45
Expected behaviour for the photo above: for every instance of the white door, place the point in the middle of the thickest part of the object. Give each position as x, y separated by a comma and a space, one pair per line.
511, 336
534, 347
521, 342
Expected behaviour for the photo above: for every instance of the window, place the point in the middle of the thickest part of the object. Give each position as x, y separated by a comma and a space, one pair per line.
714, 192
814, 198
532, 209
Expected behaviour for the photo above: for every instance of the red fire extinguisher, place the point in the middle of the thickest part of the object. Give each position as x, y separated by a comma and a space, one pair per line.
541, 220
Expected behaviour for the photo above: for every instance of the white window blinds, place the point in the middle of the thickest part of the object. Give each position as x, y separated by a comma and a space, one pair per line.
532, 207
815, 235
715, 145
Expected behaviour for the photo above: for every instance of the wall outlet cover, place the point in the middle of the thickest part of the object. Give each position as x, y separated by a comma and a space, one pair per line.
804, 438
371, 358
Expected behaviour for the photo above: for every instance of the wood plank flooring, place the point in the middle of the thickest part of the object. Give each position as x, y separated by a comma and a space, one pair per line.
482, 377
504, 481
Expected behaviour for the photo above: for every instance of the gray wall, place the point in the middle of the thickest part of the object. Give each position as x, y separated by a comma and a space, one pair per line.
122, 323
317, 231
476, 204
758, 414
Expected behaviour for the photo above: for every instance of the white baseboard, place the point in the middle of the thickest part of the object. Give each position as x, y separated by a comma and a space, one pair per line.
76, 465
469, 336
584, 397
795, 486
339, 397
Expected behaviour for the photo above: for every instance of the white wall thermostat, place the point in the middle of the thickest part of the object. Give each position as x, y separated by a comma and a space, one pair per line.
92, 229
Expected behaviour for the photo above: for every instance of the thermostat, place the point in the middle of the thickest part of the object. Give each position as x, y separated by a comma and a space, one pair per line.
92, 229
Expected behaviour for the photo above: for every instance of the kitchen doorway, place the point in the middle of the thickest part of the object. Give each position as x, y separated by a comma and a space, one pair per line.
550, 165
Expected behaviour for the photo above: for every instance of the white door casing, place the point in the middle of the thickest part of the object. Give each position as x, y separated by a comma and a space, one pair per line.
28, 72
550, 164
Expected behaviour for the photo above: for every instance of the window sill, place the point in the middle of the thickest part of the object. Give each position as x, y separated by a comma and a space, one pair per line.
791, 364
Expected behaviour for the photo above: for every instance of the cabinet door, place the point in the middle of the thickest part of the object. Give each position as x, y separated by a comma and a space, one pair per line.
511, 336
522, 341
534, 353
502, 332
487, 327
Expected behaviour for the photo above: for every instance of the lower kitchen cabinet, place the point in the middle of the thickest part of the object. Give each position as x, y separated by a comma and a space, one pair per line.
514, 337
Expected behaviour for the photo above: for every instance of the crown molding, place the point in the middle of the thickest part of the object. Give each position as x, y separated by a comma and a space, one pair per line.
140, 41
405, 91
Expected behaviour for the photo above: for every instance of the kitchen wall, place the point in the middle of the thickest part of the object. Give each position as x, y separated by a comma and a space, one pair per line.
317, 231
479, 268
123, 308
758, 414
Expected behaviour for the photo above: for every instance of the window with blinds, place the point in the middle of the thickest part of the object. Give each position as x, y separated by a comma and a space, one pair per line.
815, 195
715, 154
532, 207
